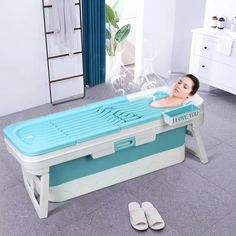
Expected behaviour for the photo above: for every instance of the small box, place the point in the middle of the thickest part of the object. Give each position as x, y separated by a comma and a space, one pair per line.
181, 115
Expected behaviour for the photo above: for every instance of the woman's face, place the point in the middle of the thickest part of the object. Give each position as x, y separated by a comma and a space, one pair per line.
183, 88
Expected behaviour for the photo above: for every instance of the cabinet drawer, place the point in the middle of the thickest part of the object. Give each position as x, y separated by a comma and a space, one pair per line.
208, 47
201, 67
214, 73
224, 59
223, 76
209, 63
205, 46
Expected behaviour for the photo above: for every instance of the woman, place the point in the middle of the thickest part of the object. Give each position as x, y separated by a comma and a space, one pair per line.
186, 87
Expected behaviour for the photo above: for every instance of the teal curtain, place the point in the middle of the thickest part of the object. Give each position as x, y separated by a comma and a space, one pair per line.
94, 41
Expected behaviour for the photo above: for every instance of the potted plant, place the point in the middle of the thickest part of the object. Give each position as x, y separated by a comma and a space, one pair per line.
114, 35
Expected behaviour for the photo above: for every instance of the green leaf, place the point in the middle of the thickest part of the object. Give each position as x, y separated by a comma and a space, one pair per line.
110, 14
108, 34
122, 33
114, 24
116, 17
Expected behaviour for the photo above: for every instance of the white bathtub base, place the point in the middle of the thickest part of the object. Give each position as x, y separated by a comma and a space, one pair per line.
116, 175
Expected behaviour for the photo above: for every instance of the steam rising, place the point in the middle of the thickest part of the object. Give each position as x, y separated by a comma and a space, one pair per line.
124, 82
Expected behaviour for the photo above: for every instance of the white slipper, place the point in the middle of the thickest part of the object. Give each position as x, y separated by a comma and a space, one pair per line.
154, 219
137, 216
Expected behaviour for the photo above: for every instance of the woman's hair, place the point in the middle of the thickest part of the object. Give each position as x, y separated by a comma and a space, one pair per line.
195, 83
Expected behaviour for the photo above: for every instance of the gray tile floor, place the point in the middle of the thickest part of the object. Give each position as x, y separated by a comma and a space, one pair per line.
194, 199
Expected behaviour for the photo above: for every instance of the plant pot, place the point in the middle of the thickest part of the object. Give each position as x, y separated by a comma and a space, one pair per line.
113, 64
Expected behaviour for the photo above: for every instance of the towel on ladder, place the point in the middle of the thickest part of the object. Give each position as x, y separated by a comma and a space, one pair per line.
63, 22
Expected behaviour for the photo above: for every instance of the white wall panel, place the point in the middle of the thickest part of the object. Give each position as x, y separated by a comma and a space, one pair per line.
23, 82
226, 8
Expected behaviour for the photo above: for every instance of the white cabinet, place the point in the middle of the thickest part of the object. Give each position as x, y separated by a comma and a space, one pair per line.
209, 64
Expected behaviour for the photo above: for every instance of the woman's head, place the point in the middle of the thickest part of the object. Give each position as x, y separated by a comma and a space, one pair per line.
186, 87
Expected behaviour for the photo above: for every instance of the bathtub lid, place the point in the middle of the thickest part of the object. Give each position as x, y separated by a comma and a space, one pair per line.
57, 131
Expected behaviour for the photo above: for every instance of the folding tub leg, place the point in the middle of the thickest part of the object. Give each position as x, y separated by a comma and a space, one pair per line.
37, 189
200, 152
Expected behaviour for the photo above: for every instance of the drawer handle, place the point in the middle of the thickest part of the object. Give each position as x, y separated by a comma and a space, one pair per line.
125, 143
205, 47
203, 66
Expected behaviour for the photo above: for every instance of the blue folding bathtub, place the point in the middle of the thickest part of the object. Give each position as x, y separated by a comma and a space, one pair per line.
78, 151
